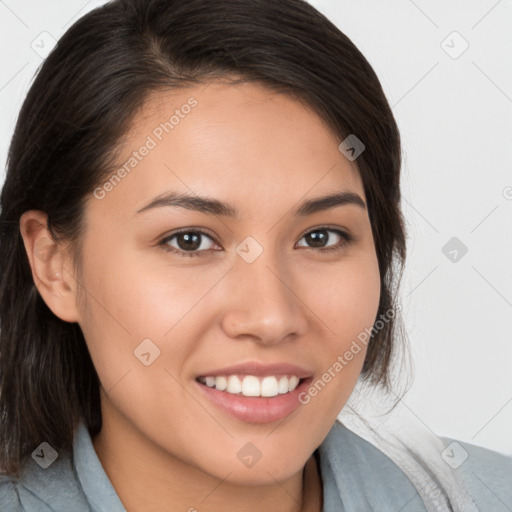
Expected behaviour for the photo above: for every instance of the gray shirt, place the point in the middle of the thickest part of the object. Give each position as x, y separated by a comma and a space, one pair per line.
356, 476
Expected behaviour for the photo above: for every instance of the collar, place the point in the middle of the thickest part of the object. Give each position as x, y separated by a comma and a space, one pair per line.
94, 481
356, 476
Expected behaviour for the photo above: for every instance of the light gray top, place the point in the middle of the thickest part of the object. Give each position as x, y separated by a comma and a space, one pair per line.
357, 477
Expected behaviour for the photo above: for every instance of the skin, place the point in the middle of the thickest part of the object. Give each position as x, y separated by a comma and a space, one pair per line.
162, 441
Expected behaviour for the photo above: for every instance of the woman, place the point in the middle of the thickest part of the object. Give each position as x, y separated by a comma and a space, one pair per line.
200, 219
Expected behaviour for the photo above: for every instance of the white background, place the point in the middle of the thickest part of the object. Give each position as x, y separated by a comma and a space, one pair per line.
455, 118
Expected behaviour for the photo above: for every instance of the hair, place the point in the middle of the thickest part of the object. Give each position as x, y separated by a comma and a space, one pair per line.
80, 106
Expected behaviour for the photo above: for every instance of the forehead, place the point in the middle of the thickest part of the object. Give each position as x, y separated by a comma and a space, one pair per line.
244, 144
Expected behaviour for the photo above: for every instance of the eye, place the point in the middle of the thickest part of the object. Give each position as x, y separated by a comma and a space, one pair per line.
188, 243
319, 238
192, 242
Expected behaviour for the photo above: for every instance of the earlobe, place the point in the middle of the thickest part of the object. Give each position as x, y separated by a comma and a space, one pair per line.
50, 267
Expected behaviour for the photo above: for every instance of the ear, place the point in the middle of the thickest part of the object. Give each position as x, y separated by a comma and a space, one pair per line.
51, 266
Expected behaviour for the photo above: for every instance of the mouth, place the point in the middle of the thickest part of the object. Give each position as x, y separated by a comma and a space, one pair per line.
255, 393
251, 385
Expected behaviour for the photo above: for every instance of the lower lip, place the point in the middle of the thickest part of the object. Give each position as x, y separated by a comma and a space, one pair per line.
256, 409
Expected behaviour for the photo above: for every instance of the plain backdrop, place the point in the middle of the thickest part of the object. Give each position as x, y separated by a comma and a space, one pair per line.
446, 68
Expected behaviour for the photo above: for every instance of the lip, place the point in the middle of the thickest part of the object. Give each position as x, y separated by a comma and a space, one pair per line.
259, 370
257, 409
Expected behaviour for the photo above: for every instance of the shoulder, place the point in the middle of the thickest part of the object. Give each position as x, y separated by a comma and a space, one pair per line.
357, 475
361, 471
42, 489
9, 498
487, 474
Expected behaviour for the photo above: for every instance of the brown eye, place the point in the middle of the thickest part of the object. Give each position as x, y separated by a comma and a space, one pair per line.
317, 238
324, 239
189, 243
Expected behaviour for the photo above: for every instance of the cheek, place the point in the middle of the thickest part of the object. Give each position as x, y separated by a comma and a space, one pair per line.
130, 300
141, 296
345, 296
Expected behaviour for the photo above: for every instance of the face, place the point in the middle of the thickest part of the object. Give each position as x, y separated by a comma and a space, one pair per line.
253, 290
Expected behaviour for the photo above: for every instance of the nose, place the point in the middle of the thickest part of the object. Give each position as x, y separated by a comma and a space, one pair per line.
263, 301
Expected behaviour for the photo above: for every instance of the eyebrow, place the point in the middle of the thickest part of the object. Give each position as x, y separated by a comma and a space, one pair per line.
211, 206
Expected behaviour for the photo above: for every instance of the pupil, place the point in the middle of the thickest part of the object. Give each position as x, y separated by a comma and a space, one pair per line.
317, 238
191, 241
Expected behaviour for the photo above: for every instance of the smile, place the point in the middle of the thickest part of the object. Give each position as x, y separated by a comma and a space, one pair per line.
251, 385
253, 391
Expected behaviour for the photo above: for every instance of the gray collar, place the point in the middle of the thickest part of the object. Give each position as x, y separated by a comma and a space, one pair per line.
357, 477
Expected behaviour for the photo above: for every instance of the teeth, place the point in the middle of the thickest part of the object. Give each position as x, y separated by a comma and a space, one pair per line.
283, 385
269, 386
251, 385
234, 385
293, 382
221, 383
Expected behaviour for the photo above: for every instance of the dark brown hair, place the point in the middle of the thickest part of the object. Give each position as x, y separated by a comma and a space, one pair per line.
76, 112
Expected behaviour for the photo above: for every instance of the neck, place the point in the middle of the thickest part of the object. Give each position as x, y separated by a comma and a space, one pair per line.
144, 479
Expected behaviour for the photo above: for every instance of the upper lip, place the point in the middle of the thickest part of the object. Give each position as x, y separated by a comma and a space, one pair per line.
259, 369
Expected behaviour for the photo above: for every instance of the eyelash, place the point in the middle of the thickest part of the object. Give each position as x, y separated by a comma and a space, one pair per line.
346, 239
